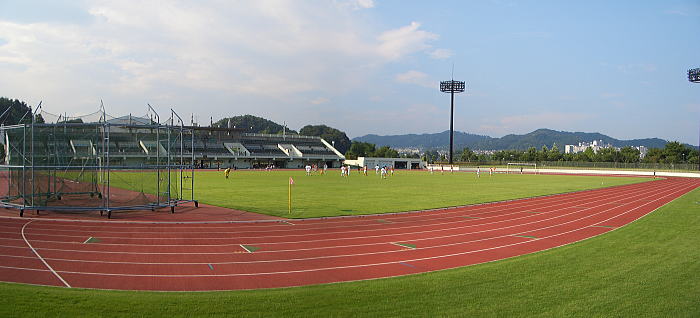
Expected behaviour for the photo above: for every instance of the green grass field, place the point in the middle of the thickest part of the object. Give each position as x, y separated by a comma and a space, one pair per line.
332, 195
646, 269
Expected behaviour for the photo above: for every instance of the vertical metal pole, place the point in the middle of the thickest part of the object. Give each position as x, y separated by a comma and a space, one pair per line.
192, 177
452, 113
169, 153
107, 128
24, 166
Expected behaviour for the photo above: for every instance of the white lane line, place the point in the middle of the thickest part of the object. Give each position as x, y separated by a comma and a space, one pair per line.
376, 264
41, 258
409, 214
386, 235
346, 255
243, 247
563, 204
112, 252
89, 238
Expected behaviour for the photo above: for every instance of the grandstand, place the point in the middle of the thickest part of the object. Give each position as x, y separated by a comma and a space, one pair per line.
216, 147
88, 163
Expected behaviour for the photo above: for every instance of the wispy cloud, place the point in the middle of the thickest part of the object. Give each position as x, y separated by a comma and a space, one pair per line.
270, 50
440, 54
320, 100
415, 77
397, 43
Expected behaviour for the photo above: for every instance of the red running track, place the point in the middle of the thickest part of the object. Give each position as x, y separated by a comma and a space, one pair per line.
226, 256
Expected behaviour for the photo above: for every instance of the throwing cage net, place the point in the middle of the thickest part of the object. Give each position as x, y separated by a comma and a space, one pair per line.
109, 164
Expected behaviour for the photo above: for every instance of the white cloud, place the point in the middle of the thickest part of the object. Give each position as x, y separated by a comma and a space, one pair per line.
269, 58
320, 100
440, 54
405, 40
365, 4
415, 77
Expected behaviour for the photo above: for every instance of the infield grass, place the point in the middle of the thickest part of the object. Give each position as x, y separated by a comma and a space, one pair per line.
266, 192
648, 268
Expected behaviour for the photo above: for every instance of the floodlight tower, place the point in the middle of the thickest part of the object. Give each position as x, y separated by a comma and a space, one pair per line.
452, 87
694, 77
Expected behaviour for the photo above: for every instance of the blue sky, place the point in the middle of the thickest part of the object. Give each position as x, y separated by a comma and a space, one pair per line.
363, 66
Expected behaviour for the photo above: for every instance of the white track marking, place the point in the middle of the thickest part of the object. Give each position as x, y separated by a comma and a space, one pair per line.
87, 240
355, 231
362, 265
237, 244
39, 256
622, 197
243, 247
338, 219
366, 254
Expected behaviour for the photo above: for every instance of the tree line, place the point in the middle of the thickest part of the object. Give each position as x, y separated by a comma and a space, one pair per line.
672, 153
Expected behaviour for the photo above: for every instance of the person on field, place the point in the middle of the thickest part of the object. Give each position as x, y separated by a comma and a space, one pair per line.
383, 172
365, 170
478, 172
226, 172
342, 171
376, 169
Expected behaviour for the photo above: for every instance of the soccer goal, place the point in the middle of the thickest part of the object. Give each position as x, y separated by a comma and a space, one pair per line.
522, 167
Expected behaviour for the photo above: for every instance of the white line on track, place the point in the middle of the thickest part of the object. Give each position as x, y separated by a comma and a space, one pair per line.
243, 247
365, 265
319, 248
39, 256
371, 253
338, 219
617, 195
560, 203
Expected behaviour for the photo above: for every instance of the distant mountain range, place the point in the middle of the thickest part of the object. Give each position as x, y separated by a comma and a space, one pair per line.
537, 139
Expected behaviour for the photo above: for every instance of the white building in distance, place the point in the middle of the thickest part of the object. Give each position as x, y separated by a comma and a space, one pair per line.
597, 145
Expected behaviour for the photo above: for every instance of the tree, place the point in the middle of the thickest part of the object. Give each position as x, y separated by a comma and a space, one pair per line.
675, 152
385, 152
467, 155
629, 154
431, 156
254, 124
654, 155
529, 155
17, 111
361, 149
543, 154
339, 139
554, 154
351, 155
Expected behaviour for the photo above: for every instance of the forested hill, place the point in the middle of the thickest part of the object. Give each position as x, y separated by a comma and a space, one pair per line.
537, 139
253, 124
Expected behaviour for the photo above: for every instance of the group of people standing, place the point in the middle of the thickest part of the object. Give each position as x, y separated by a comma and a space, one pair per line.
312, 168
381, 171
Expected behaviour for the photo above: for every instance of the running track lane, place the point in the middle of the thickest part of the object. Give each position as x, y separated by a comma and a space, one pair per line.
226, 256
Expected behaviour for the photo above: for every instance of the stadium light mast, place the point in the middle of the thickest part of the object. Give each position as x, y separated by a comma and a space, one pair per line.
694, 77
452, 87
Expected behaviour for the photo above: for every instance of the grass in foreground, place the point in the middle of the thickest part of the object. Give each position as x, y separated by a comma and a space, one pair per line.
646, 269
332, 195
